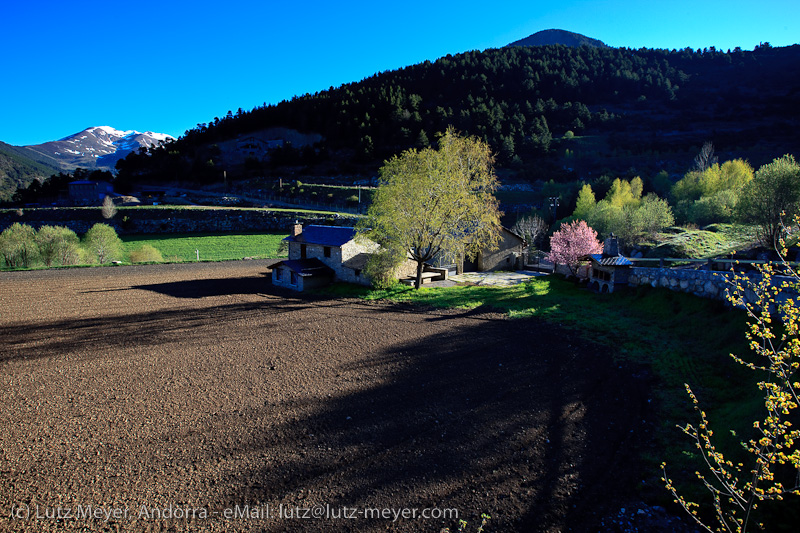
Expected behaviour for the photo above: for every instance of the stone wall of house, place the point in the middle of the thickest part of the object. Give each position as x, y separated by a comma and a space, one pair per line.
349, 250
406, 269
506, 257
167, 220
337, 255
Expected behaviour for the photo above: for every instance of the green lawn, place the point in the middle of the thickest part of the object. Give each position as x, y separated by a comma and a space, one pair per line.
211, 246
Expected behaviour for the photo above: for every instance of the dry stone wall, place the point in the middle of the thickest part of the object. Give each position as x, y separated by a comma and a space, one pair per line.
703, 283
168, 220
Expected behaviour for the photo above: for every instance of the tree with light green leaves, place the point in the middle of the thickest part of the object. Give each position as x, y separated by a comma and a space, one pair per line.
711, 195
624, 211
624, 193
102, 241
772, 197
18, 246
433, 202
585, 203
58, 245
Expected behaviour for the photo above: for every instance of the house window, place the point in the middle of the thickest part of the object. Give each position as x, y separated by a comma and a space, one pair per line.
302, 251
358, 272
293, 279
327, 251
279, 274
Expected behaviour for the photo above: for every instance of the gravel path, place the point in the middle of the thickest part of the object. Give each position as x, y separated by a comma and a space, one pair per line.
201, 392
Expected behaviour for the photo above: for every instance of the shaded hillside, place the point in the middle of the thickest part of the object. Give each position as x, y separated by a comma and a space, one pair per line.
518, 99
19, 167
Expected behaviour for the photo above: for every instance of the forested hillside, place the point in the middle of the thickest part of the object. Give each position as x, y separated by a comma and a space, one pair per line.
18, 169
519, 99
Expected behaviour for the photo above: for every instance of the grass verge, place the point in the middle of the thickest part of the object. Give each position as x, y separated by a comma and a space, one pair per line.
211, 246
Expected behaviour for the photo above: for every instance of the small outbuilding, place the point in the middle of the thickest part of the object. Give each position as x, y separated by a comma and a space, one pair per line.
609, 269
302, 274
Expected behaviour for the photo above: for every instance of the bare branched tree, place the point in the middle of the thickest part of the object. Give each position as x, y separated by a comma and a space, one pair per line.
706, 158
533, 229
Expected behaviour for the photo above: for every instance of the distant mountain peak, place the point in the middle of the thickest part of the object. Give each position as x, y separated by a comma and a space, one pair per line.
568, 38
97, 146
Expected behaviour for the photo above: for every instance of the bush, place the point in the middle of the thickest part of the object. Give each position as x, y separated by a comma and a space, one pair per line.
381, 267
18, 246
58, 246
146, 254
768, 473
86, 257
103, 243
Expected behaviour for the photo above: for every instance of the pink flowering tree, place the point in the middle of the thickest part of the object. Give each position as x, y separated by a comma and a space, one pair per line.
571, 242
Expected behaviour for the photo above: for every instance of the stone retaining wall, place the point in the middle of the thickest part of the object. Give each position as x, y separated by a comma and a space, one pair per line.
168, 220
703, 283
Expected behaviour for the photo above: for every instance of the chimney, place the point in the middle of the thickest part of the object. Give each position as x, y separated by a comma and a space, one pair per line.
296, 229
610, 246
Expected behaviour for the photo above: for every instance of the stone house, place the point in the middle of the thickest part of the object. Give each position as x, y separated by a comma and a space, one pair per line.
319, 255
507, 256
91, 192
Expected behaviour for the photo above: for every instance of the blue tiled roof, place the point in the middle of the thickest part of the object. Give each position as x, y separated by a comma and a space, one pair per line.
614, 260
324, 235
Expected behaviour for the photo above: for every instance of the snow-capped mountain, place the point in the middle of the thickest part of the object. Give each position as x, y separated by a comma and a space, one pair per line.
98, 147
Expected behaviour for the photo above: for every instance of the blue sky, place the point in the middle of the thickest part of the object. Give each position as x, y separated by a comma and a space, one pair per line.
167, 66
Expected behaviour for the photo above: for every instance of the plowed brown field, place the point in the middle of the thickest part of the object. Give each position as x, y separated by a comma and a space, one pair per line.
201, 392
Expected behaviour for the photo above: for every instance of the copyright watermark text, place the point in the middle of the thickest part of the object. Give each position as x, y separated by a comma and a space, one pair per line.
24, 511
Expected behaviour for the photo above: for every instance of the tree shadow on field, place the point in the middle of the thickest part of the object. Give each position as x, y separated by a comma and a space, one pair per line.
100, 336
514, 418
204, 288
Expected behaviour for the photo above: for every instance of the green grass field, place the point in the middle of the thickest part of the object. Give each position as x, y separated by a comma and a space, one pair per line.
211, 246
